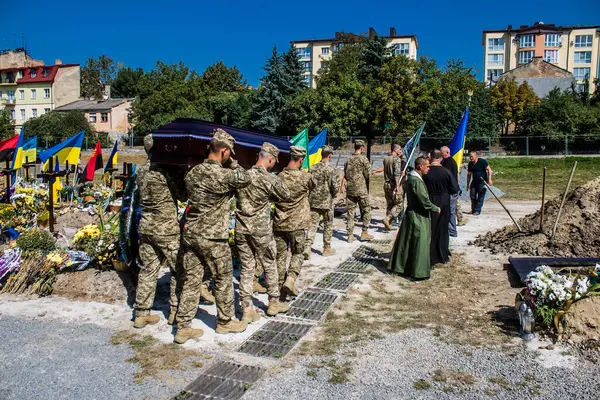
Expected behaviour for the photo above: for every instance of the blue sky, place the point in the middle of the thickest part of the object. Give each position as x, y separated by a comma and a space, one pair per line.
242, 33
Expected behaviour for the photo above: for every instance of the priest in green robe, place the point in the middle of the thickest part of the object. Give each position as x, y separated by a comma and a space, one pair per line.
410, 256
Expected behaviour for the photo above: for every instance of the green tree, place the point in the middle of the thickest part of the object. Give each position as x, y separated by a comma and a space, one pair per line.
269, 99
293, 81
54, 127
374, 54
512, 101
95, 75
230, 108
6, 127
125, 84
219, 77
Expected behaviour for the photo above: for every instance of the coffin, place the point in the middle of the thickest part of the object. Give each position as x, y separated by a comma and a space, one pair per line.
185, 142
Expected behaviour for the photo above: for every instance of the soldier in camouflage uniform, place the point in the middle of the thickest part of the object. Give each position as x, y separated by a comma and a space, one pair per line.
254, 233
292, 218
392, 187
357, 171
321, 199
160, 187
210, 186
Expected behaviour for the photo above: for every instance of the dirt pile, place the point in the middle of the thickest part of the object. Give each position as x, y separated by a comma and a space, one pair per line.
577, 235
94, 285
583, 320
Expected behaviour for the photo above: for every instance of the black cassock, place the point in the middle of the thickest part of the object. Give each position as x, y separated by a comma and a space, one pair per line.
440, 185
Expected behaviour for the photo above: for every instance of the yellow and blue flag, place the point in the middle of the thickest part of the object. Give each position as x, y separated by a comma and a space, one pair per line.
67, 151
30, 150
113, 158
315, 146
18, 156
301, 140
457, 145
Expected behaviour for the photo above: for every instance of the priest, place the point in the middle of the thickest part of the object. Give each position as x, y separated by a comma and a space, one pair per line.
410, 256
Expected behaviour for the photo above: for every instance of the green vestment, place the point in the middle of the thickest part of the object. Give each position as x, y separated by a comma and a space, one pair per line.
410, 255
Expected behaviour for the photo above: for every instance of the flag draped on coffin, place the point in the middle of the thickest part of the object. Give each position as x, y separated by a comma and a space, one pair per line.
67, 151
94, 164
113, 158
7, 148
315, 147
409, 148
301, 140
457, 145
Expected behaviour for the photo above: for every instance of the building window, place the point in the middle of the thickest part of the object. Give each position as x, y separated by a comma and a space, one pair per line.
583, 57
104, 117
304, 52
527, 41
307, 80
33, 73
400, 49
551, 56
33, 94
337, 47
46, 110
21, 95
525, 56
496, 44
22, 114
495, 59
580, 87
46, 93
12, 114
306, 66
324, 50
11, 95
10, 78
34, 112
46, 72
581, 74
494, 74
93, 117
583, 41
552, 40
20, 74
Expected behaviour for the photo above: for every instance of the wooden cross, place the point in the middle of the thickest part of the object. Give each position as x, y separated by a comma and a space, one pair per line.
49, 176
110, 175
26, 166
8, 174
68, 171
127, 172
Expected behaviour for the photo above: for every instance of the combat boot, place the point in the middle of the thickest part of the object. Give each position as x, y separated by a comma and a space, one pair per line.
172, 315
250, 315
328, 251
288, 286
462, 222
365, 236
258, 288
276, 307
351, 237
233, 326
143, 320
206, 295
388, 225
185, 334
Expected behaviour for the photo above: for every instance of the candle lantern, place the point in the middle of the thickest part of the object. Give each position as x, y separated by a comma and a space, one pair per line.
528, 325
521, 310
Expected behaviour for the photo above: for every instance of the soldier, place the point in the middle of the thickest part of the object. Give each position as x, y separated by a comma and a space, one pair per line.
160, 188
321, 199
357, 171
392, 188
292, 218
254, 233
206, 239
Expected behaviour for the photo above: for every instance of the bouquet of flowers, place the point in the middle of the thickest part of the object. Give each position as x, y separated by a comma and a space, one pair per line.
10, 261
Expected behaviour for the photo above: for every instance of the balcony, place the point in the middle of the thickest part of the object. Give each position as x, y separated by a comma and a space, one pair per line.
11, 101
8, 81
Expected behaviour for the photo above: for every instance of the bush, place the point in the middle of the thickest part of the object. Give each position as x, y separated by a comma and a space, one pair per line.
36, 240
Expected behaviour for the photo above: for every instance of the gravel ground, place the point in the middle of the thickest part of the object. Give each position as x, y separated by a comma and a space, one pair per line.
43, 359
389, 368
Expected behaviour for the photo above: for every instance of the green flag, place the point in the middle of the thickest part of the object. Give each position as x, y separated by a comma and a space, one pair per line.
301, 140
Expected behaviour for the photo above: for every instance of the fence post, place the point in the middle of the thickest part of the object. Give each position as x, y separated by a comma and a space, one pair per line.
527, 146
86, 144
46, 142
490, 146
566, 145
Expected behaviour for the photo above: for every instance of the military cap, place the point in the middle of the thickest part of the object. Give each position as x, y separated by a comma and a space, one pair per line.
271, 149
148, 143
224, 137
327, 148
298, 151
359, 142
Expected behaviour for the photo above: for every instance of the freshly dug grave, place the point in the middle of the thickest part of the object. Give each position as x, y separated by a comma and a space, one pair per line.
583, 320
578, 233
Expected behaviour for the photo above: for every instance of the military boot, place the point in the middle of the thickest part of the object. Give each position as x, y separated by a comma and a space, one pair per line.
276, 307
328, 251
250, 315
172, 315
351, 237
288, 286
258, 288
306, 255
143, 320
365, 236
388, 225
185, 334
206, 295
233, 326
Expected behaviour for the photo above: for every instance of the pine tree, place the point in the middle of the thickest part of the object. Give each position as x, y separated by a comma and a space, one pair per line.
293, 81
269, 99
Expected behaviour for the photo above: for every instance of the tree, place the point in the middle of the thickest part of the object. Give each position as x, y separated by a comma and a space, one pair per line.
512, 101
220, 78
230, 108
125, 84
269, 99
95, 75
6, 127
374, 54
293, 80
54, 127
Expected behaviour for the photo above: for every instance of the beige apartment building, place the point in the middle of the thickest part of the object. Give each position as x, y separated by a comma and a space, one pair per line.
28, 88
573, 48
313, 53
107, 115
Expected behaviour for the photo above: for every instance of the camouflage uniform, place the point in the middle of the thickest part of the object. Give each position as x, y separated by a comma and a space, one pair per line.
206, 238
292, 218
327, 180
357, 172
253, 231
392, 171
160, 188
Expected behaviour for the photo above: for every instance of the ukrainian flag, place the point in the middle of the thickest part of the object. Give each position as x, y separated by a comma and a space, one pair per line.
315, 146
30, 150
457, 145
67, 151
113, 158
18, 156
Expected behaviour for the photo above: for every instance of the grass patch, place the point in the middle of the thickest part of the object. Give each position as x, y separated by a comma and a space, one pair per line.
311, 373
453, 376
421, 384
502, 382
339, 372
154, 357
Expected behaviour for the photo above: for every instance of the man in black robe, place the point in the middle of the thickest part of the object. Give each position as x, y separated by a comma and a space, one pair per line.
440, 185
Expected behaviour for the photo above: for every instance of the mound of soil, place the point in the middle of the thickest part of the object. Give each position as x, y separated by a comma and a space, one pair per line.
583, 320
95, 285
577, 235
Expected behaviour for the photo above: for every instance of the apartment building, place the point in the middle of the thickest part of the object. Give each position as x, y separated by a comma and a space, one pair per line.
107, 115
573, 48
28, 88
313, 53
